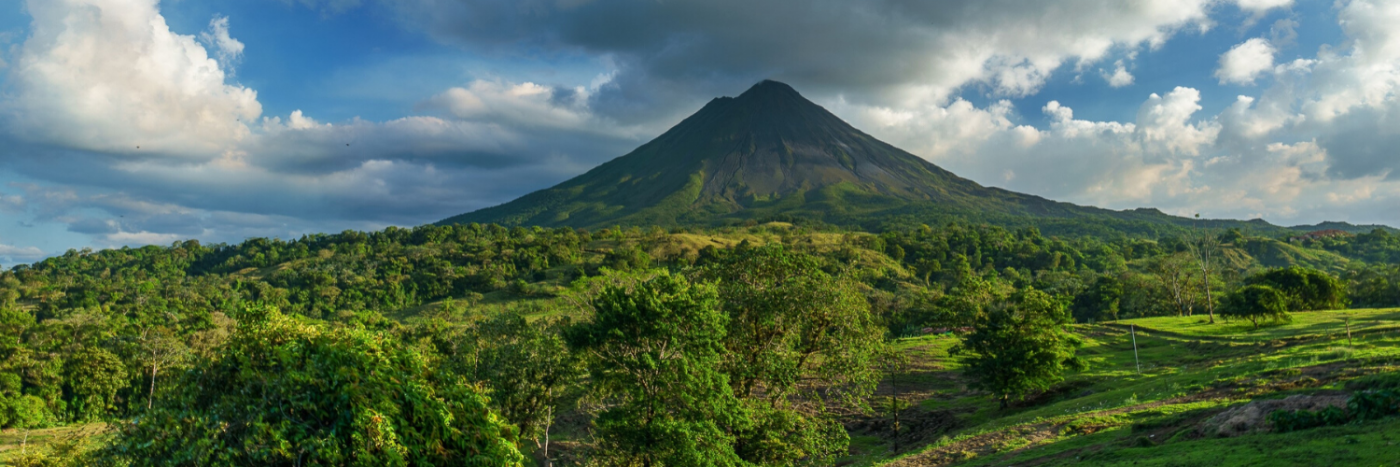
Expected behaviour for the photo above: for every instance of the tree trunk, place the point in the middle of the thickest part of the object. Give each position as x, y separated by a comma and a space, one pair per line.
151, 396
548, 422
894, 407
1205, 284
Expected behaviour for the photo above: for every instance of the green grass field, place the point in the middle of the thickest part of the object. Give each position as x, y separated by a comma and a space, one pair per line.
1190, 370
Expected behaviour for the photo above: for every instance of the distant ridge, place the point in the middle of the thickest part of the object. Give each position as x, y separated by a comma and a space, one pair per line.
1345, 227
772, 154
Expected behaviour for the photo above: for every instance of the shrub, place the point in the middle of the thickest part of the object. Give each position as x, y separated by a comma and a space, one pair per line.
1372, 405
1361, 406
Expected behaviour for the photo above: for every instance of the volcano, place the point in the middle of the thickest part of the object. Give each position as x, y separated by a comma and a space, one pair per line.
771, 154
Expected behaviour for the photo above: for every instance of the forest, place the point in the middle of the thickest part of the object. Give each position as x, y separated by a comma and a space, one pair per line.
758, 344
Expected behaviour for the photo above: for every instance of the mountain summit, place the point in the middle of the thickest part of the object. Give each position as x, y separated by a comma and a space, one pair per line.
767, 154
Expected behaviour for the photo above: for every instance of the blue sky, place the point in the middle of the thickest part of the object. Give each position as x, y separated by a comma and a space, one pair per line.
130, 122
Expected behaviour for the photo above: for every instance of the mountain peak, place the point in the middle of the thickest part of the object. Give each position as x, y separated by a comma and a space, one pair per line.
768, 151
770, 89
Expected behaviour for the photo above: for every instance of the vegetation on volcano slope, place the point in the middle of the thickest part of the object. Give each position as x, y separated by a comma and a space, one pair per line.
109, 336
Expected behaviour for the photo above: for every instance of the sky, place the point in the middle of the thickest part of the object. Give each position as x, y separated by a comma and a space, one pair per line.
136, 122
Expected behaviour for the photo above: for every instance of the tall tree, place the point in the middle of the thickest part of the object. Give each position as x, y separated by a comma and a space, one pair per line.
159, 347
789, 322
529, 369
93, 377
1020, 346
1203, 248
655, 355
1174, 271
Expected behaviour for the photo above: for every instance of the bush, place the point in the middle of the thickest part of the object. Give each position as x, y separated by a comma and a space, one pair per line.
1373, 405
1361, 406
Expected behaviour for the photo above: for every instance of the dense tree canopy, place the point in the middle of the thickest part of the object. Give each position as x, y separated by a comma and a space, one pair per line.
102, 335
1305, 289
285, 391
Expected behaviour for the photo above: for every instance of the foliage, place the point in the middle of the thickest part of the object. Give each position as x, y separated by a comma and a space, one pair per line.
1101, 301
528, 368
289, 392
790, 323
1372, 405
97, 335
1020, 346
1257, 303
656, 357
1306, 289
1376, 286
94, 377
1361, 406
1294, 420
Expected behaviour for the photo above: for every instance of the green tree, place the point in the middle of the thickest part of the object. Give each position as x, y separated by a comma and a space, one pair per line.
1100, 301
789, 321
287, 392
1020, 346
1306, 289
529, 369
1257, 303
655, 353
93, 378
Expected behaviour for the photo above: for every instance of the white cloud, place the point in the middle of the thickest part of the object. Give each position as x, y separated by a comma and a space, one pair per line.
525, 105
1165, 122
1120, 76
1246, 61
1262, 5
16, 254
101, 75
109, 75
230, 50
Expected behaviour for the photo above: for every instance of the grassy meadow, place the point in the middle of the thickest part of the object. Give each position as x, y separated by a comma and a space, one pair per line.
1112, 414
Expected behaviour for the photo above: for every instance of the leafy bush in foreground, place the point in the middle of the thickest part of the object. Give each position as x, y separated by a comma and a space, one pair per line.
287, 392
1361, 406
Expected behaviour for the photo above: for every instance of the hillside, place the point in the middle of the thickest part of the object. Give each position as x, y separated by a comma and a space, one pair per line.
84, 319
1167, 413
772, 154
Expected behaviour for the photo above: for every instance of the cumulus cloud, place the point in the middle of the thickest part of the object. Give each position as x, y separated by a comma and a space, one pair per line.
1246, 61
110, 76
229, 50
1119, 77
1262, 5
97, 78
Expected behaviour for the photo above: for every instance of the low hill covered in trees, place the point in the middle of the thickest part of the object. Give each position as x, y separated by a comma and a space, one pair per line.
547, 338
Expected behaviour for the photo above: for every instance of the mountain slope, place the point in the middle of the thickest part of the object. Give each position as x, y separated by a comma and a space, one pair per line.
770, 153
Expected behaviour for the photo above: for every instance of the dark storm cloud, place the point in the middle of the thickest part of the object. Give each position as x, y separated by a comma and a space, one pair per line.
670, 52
